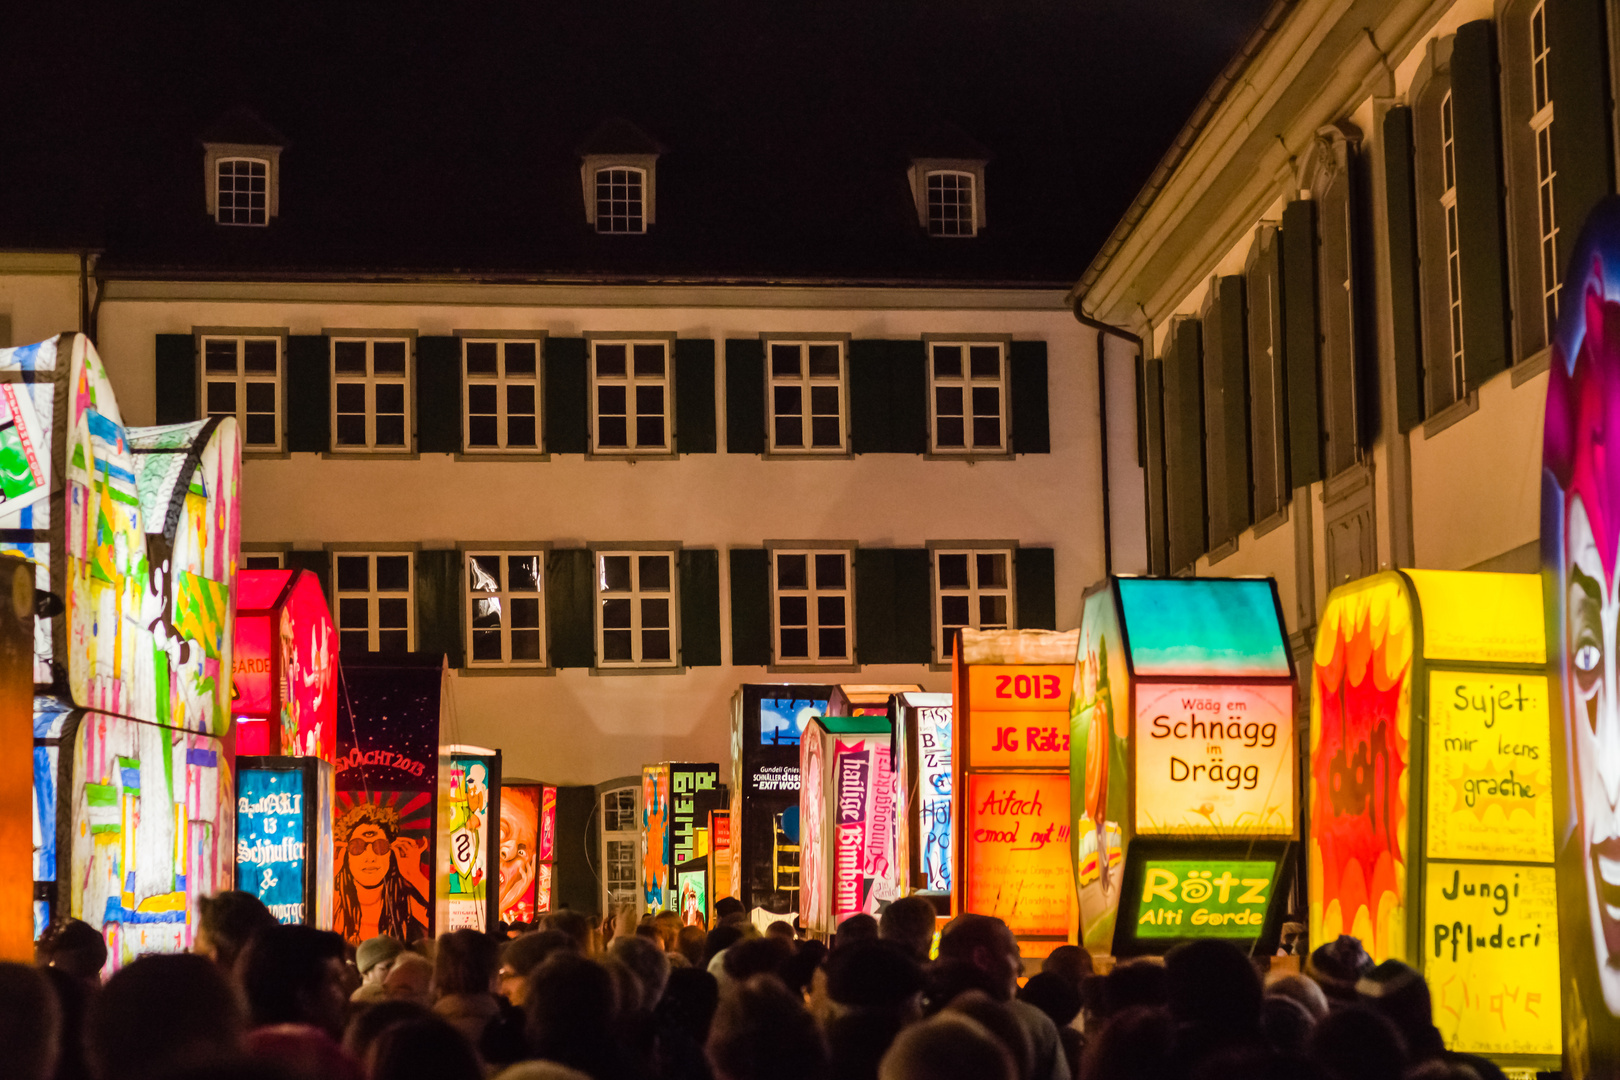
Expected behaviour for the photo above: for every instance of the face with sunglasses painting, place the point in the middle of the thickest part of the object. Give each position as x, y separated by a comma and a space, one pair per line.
382, 885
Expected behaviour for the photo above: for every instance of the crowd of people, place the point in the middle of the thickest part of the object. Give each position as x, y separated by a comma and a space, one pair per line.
634, 997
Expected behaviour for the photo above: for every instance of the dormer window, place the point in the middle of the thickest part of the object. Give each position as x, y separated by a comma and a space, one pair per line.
619, 206
947, 182
951, 210
243, 192
242, 169
619, 176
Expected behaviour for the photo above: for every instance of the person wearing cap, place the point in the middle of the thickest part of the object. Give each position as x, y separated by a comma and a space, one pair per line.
375, 958
1337, 965
1399, 993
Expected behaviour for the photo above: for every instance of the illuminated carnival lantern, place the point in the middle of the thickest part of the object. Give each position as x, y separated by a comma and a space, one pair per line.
677, 799
925, 800
847, 809
528, 850
1431, 797
469, 847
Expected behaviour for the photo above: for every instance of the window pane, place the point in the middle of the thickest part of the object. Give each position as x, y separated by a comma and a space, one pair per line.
520, 431
390, 397
390, 431
393, 573
222, 398
830, 611
351, 397
986, 401
219, 356
610, 361
393, 641
486, 645
482, 357
616, 614
615, 573
789, 431
947, 401
610, 400
525, 645
795, 645
261, 397
790, 572
261, 562
831, 642
523, 573
650, 400
654, 614
949, 432
613, 431
792, 610
650, 432
824, 361
985, 362
787, 400
354, 612
388, 357
953, 571
520, 399
830, 571
353, 573
655, 645
525, 613
481, 398
486, 611
992, 611
259, 356
785, 361
484, 573
947, 361
520, 358
992, 570
351, 431
261, 430
349, 357
615, 645
824, 400
986, 431
649, 361
824, 431
354, 641
654, 571
954, 609
481, 431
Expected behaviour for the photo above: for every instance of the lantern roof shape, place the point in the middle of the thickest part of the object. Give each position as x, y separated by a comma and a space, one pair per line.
1210, 627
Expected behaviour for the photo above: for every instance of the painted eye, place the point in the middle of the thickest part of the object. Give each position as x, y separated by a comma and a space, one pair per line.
1586, 658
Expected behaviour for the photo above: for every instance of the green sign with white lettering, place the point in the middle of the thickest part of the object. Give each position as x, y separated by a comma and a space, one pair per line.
1203, 898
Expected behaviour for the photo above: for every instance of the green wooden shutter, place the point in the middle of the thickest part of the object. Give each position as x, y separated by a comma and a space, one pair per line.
750, 606
438, 604
1300, 339
871, 385
1401, 199
567, 396
913, 606
318, 563
1153, 423
874, 606
908, 397
1481, 236
438, 395
745, 396
1184, 444
570, 608
700, 606
1031, 423
1581, 142
694, 398
1226, 413
309, 393
177, 379
1035, 573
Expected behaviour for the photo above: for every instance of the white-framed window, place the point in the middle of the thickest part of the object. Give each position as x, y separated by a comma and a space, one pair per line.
263, 560
503, 395
811, 606
630, 396
636, 608
952, 208
1541, 126
620, 200
972, 590
968, 403
808, 397
506, 609
243, 191
374, 600
1448, 204
370, 394
242, 378
621, 847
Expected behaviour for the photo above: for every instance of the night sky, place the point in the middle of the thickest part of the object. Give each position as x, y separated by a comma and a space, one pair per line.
107, 99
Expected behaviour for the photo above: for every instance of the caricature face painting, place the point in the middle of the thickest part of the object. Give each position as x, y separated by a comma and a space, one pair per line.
1581, 555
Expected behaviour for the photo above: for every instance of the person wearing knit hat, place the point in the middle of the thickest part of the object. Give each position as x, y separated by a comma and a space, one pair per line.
1399, 993
375, 958
1337, 965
